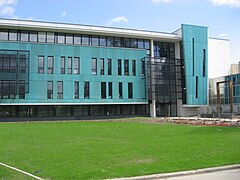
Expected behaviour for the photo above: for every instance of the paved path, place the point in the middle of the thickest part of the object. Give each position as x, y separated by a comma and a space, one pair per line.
221, 175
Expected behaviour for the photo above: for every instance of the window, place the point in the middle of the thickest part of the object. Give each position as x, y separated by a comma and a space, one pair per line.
204, 62
134, 67
86, 90
127, 42
109, 66
50, 37
193, 56
76, 65
50, 64
62, 65
69, 39
95, 41
101, 66
141, 44
49, 89
33, 36
143, 67
119, 67
60, 90
24, 36
40, 64
69, 65
134, 43
4, 35
61, 38
110, 41
103, 90
102, 41
120, 89
196, 86
76, 89
126, 67
130, 90
22, 89
22, 64
94, 65
42, 37
85, 40
13, 35
77, 39
117, 42
110, 90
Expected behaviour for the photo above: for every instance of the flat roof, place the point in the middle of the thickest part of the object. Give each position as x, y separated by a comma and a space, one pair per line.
90, 29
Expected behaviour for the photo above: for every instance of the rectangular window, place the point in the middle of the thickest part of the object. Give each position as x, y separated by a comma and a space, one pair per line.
42, 37
4, 34
61, 38
69, 65
140, 43
76, 65
126, 67
95, 41
13, 35
102, 66
110, 41
130, 90
60, 90
85, 40
62, 65
109, 66
193, 56
76, 89
33, 36
94, 65
134, 67
40, 64
69, 39
143, 67
120, 90
86, 90
50, 37
77, 39
110, 90
102, 41
196, 86
103, 90
24, 36
22, 89
204, 62
22, 64
50, 64
49, 89
119, 67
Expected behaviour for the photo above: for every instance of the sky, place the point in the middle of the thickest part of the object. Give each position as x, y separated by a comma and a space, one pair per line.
221, 16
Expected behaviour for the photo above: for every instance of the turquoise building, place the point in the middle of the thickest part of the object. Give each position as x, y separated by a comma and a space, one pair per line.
50, 69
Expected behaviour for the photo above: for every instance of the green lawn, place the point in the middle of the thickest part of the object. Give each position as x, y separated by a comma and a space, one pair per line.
98, 150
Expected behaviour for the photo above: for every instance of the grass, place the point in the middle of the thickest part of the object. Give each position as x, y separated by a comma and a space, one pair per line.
98, 150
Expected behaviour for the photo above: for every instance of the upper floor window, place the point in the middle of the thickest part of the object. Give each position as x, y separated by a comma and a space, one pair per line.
3, 34
13, 35
103, 90
103, 41
134, 67
110, 90
61, 38
86, 90
42, 37
69, 39
24, 36
126, 67
102, 66
49, 89
85, 40
76, 65
76, 89
143, 67
94, 65
77, 39
50, 64
33, 36
62, 65
50, 37
60, 89
40, 64
130, 90
119, 67
95, 40
204, 62
69, 65
120, 90
109, 66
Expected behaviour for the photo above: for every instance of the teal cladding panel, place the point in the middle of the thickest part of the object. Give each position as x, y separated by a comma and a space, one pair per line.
38, 82
195, 39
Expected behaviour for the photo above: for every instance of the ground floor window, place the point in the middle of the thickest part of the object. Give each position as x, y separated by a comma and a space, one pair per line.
72, 110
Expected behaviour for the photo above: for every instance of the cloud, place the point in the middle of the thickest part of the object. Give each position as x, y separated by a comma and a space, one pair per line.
161, 1
7, 7
230, 3
117, 20
223, 35
64, 13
